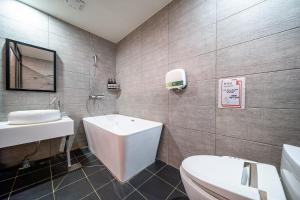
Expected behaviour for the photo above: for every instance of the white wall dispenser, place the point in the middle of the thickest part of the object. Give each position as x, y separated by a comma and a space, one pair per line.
176, 79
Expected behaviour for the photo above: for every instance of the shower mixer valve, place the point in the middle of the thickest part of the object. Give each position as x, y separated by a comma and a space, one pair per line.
96, 96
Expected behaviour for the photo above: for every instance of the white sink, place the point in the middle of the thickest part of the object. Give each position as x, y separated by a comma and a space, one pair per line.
33, 116
11, 135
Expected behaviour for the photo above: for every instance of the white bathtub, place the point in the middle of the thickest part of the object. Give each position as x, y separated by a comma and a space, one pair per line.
125, 145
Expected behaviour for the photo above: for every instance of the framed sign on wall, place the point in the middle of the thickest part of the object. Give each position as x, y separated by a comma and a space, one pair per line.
232, 93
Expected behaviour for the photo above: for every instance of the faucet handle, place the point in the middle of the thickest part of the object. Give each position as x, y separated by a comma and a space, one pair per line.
100, 96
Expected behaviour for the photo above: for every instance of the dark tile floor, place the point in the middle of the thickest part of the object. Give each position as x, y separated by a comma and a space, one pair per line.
49, 179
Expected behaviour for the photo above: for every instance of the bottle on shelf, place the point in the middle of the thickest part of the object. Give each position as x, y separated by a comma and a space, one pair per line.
114, 84
109, 83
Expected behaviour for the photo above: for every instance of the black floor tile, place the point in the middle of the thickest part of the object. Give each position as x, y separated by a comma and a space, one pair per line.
76, 190
66, 179
170, 174
140, 178
4, 197
30, 178
6, 186
47, 197
34, 191
100, 178
34, 166
115, 190
85, 159
92, 196
177, 195
8, 173
155, 189
181, 188
135, 196
156, 166
35, 182
61, 168
90, 160
81, 152
92, 167
62, 157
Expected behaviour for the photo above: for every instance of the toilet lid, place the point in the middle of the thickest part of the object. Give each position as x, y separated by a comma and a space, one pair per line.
223, 176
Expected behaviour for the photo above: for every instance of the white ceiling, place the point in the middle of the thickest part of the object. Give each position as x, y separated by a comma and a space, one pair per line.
110, 19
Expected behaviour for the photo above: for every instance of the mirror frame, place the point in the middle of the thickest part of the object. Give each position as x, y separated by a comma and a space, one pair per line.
8, 67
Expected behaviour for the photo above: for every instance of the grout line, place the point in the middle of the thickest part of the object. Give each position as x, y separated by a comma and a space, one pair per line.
3, 195
258, 73
42, 196
215, 82
70, 184
87, 158
155, 174
51, 180
180, 189
164, 180
106, 184
60, 182
90, 183
87, 195
189, 57
259, 37
31, 184
135, 190
96, 171
175, 188
236, 13
169, 104
232, 45
7, 179
246, 140
13, 185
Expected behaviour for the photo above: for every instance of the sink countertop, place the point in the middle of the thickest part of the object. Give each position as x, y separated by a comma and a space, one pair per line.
11, 135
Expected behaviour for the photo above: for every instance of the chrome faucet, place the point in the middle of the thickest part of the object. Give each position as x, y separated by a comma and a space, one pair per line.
56, 99
99, 96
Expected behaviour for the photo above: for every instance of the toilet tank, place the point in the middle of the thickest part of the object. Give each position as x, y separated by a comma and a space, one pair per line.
290, 171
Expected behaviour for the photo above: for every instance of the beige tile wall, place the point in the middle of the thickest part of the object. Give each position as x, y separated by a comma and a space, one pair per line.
212, 39
75, 72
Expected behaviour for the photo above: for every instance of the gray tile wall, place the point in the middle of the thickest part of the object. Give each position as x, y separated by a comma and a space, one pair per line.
212, 39
75, 72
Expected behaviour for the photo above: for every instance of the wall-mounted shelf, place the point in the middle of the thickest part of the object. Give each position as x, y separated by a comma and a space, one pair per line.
114, 87
112, 84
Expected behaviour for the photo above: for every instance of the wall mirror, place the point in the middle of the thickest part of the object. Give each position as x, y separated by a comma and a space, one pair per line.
30, 68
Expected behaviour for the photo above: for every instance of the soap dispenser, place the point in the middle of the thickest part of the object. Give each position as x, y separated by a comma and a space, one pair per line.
176, 79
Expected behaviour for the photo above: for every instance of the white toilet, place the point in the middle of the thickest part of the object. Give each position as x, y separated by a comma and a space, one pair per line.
208, 177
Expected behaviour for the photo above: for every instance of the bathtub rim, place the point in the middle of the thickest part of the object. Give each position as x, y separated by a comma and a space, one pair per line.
158, 124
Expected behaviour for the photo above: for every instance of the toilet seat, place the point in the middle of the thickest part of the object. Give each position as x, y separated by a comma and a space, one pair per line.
221, 178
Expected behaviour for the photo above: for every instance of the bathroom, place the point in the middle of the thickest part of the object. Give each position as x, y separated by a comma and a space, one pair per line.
113, 59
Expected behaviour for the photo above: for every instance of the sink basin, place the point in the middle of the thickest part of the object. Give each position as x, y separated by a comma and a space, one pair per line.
33, 116
11, 135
